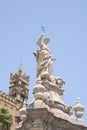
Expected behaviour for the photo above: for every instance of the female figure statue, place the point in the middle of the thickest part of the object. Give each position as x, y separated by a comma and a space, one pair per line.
43, 56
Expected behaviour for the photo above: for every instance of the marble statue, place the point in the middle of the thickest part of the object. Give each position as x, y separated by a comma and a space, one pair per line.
43, 57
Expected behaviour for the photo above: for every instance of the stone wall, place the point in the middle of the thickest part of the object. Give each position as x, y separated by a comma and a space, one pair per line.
7, 102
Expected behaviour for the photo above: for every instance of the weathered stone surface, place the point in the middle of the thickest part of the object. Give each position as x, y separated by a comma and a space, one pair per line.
48, 110
42, 119
8, 103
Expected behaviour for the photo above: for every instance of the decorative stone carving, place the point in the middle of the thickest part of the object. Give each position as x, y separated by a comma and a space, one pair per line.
79, 108
22, 115
43, 57
44, 63
22, 112
42, 119
48, 91
39, 91
48, 111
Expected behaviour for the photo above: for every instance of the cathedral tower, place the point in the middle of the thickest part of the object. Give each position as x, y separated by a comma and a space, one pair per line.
18, 89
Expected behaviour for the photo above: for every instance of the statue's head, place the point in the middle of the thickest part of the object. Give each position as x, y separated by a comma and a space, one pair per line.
46, 40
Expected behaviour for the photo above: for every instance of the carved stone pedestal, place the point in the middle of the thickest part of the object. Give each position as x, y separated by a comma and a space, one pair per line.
42, 119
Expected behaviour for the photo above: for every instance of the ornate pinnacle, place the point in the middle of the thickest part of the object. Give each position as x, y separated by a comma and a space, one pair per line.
20, 70
78, 108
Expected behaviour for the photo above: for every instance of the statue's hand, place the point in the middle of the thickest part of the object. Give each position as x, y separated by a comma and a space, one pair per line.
42, 34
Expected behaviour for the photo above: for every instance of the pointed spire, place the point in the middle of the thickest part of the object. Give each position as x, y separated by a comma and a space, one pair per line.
20, 72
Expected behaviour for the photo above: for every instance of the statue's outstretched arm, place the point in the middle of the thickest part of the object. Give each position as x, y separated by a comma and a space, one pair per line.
39, 41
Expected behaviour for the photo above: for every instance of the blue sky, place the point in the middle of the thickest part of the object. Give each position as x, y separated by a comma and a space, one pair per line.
65, 22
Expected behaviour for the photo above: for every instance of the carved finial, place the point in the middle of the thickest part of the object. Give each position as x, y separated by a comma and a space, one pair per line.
79, 108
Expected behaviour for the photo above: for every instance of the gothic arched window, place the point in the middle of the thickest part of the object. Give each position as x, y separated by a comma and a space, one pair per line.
23, 96
14, 94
